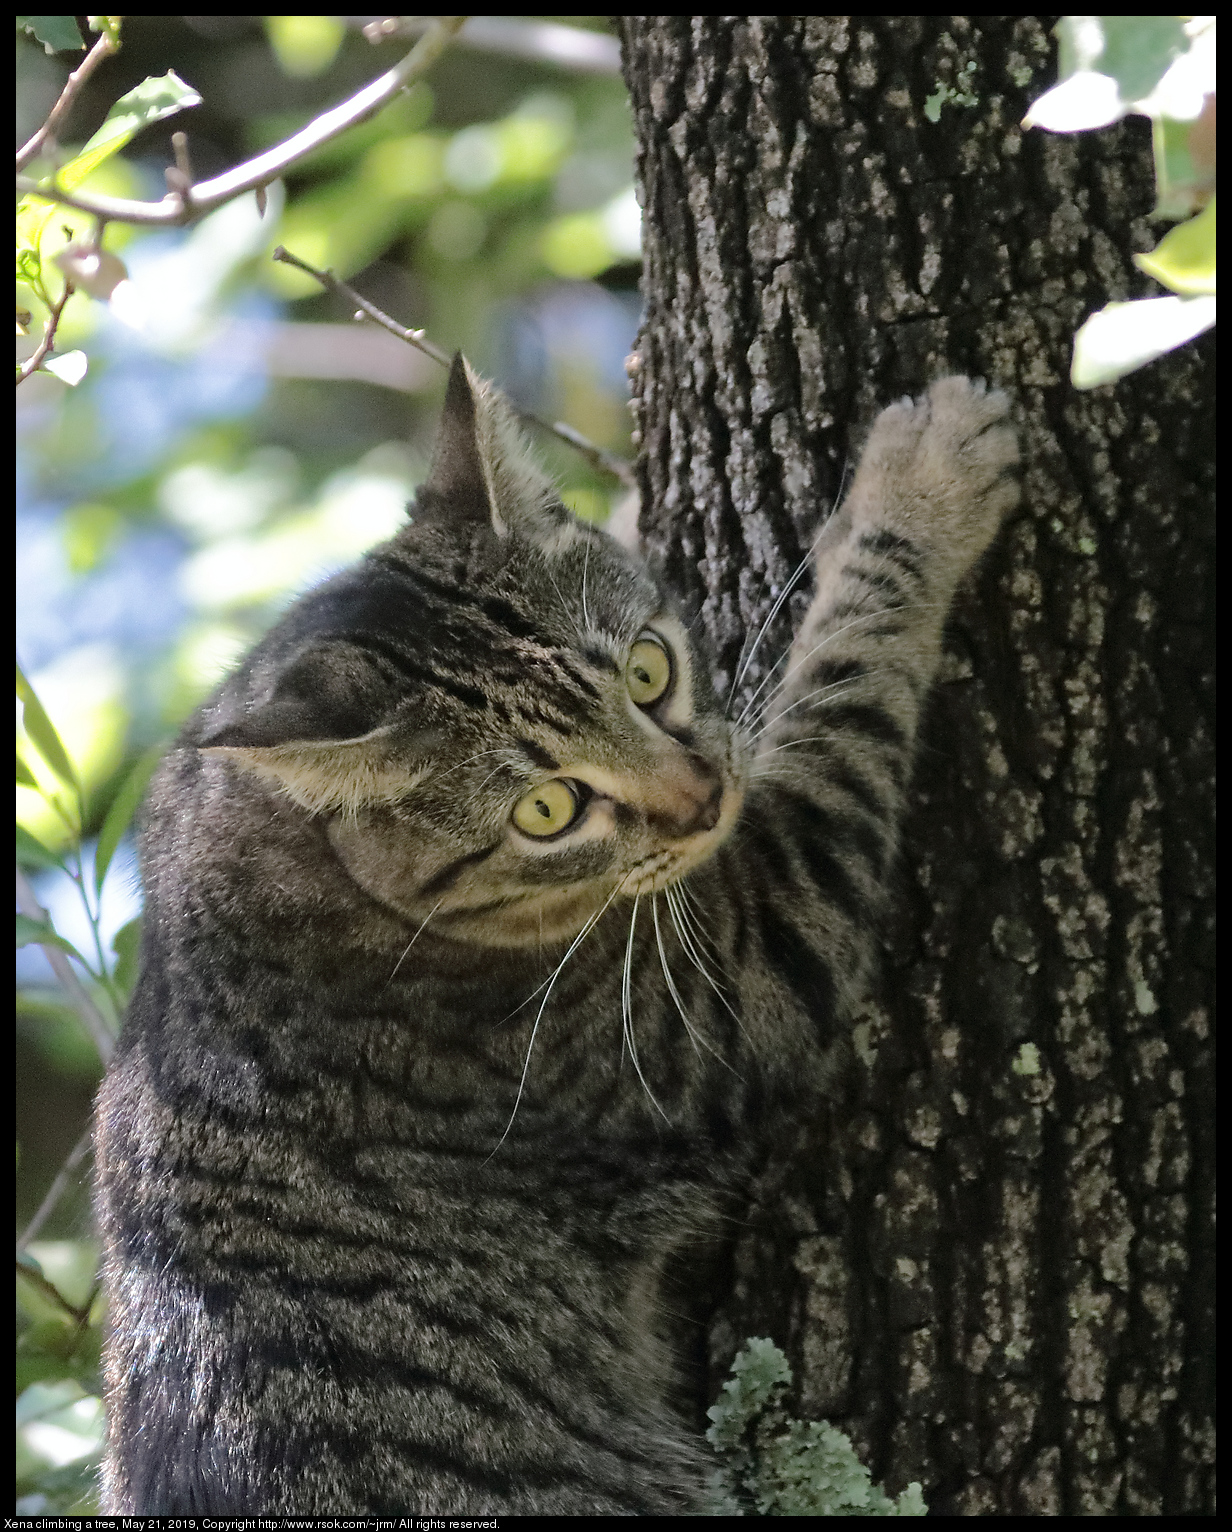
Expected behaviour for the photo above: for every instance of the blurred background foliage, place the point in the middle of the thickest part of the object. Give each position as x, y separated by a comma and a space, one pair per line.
248, 439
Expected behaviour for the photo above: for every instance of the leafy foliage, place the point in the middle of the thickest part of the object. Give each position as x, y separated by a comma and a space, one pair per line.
777, 1466
1164, 68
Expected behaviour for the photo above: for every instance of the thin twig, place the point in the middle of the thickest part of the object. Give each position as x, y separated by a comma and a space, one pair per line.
93, 1019
50, 1290
598, 457
179, 176
101, 50
268, 166
35, 360
56, 1190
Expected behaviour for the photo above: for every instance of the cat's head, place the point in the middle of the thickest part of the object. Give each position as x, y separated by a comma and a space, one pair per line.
498, 710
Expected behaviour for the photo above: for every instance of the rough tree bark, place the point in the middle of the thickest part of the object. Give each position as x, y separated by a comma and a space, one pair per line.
991, 1263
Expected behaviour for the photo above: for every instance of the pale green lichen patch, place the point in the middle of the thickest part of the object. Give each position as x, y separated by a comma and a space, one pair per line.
776, 1466
959, 94
1027, 1060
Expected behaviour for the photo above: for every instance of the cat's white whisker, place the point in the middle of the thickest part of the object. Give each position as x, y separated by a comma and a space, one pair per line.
573, 946
783, 595
626, 1010
791, 584
692, 915
827, 693
690, 940
585, 567
680, 921
667, 974
699, 918
802, 661
494, 772
414, 939
695, 1037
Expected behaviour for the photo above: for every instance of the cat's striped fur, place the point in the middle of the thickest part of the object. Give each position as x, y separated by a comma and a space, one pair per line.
410, 1108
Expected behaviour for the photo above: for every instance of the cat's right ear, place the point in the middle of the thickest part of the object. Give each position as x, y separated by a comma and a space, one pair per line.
456, 488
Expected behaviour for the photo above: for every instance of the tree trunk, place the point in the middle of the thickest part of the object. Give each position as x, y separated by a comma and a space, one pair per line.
992, 1263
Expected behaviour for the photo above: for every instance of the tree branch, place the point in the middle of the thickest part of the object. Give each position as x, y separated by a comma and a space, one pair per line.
598, 457
35, 360
185, 207
104, 47
56, 1190
91, 1016
547, 42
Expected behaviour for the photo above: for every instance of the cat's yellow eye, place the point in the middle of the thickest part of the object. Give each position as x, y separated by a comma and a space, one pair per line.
546, 810
648, 671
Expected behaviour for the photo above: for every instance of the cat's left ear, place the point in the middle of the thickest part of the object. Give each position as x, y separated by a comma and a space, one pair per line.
483, 468
319, 723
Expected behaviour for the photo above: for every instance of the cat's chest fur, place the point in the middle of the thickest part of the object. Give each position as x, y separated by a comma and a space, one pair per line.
481, 946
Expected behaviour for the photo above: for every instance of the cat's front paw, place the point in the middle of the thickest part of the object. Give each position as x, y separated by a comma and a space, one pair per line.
941, 470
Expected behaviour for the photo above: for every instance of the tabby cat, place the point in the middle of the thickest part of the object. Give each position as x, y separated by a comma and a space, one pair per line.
480, 948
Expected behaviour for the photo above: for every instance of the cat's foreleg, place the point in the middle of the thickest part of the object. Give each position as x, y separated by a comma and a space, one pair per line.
835, 743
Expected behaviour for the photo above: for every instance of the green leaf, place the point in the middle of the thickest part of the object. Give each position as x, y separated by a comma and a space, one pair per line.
120, 814
31, 852
44, 934
1184, 259
154, 99
1134, 50
126, 944
1138, 51
1124, 336
1184, 163
25, 777
43, 734
29, 265
57, 1348
58, 34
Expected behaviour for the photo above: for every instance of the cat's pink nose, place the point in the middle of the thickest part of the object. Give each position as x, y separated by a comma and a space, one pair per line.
689, 800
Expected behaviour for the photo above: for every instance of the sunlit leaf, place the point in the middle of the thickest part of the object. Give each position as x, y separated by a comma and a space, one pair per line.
31, 852
58, 34
1086, 100
1124, 336
25, 777
29, 266
43, 734
1184, 259
1107, 65
153, 100
123, 807
69, 368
